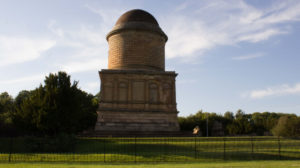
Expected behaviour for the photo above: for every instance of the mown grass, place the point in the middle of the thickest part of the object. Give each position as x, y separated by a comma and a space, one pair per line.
237, 164
171, 149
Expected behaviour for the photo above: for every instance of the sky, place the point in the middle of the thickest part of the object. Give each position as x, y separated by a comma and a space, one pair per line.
229, 54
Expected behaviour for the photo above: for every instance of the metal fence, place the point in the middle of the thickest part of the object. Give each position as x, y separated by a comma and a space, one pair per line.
145, 149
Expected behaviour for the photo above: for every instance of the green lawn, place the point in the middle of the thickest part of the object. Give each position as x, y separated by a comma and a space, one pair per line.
242, 164
172, 149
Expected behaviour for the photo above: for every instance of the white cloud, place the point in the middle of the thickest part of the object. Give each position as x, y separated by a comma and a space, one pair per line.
20, 49
194, 28
14, 85
57, 31
39, 77
260, 36
250, 56
108, 15
75, 49
84, 65
274, 91
282, 11
185, 40
86, 48
92, 87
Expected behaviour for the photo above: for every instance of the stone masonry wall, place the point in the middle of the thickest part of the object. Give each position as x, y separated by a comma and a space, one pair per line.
138, 91
136, 50
137, 100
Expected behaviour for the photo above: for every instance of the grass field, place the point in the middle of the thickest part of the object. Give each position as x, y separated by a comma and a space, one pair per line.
171, 149
241, 164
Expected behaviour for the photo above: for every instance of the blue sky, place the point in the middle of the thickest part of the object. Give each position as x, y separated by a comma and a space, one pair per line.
229, 55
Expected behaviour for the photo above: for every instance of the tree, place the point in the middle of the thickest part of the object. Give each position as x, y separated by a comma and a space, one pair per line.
239, 114
57, 107
6, 102
23, 95
287, 126
6, 107
242, 124
233, 128
229, 115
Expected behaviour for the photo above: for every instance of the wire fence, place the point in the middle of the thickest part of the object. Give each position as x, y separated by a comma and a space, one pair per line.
146, 149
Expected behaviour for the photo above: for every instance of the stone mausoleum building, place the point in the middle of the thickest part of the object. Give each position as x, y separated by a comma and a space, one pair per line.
137, 94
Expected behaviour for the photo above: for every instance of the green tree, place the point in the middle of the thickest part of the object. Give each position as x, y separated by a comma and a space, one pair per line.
23, 95
264, 122
57, 107
6, 107
242, 124
233, 128
239, 114
6, 110
28, 110
287, 126
229, 115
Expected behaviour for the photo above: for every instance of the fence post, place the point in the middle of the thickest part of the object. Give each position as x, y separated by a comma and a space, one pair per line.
279, 146
252, 148
164, 152
224, 147
195, 148
10, 148
104, 149
160, 151
135, 149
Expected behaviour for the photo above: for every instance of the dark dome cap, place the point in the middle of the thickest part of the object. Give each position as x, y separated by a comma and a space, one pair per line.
137, 15
137, 19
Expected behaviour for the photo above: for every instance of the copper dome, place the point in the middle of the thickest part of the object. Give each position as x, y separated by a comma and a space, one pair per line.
137, 15
137, 19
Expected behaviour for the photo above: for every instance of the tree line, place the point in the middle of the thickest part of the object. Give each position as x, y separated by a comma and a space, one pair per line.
59, 106
240, 123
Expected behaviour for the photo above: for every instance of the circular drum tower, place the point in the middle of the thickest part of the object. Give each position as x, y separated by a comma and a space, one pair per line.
137, 94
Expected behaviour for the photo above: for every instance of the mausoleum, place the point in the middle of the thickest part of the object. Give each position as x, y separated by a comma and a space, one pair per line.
137, 94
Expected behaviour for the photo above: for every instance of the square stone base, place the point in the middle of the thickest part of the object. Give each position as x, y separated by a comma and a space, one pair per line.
136, 100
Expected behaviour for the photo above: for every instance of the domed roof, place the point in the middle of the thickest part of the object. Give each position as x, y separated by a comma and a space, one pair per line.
137, 15
137, 20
